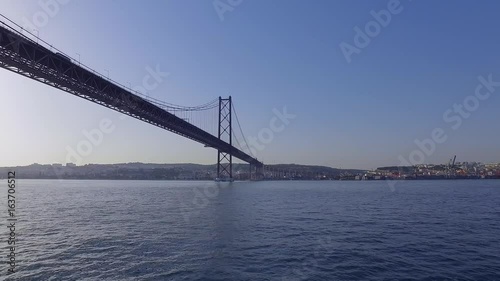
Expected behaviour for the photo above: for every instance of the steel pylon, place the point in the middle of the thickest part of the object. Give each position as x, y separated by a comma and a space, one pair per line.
224, 158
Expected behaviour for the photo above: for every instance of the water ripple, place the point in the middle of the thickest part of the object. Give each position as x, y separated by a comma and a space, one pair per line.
152, 230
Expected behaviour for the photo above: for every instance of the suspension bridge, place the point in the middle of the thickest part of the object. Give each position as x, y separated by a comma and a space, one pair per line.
210, 124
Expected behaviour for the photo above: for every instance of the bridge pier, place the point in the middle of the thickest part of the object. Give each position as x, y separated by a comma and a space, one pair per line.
258, 174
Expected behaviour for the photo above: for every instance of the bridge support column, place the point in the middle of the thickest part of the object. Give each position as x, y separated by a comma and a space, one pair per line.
259, 172
224, 158
256, 172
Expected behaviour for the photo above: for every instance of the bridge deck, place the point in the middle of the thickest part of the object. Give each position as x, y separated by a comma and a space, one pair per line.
22, 55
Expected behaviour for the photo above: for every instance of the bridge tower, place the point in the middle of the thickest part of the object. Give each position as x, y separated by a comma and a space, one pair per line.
224, 159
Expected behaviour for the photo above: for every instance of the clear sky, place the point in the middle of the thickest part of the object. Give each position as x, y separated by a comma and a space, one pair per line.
267, 54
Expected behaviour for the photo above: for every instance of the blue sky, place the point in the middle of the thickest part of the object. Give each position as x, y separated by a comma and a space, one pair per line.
267, 55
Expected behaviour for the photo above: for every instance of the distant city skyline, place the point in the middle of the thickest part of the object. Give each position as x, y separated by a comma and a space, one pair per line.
70, 164
370, 83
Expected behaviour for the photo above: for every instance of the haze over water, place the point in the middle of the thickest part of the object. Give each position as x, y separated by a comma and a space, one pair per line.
288, 230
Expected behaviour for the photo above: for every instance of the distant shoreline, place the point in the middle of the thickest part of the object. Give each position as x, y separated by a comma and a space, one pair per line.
241, 172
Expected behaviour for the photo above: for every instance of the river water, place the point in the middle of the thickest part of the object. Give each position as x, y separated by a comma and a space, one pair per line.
287, 230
